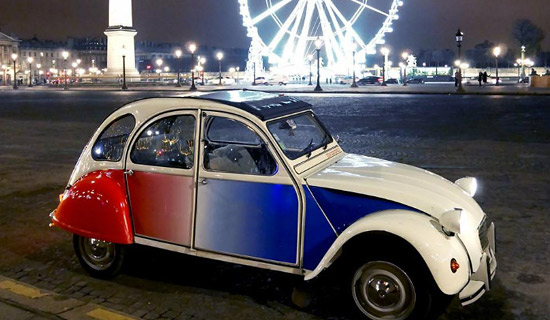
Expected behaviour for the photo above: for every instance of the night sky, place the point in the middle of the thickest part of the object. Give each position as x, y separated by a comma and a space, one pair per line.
422, 24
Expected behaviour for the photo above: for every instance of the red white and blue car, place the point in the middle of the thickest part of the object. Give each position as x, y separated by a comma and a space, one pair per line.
256, 179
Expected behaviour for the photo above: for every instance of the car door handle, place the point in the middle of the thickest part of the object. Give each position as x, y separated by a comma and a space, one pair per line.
129, 172
203, 181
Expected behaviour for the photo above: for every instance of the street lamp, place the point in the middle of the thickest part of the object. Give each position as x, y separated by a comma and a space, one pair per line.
124, 87
219, 55
14, 58
65, 55
405, 56
30, 60
522, 62
5, 68
459, 38
385, 52
38, 67
178, 55
354, 47
202, 61
318, 45
192, 48
159, 64
310, 58
496, 52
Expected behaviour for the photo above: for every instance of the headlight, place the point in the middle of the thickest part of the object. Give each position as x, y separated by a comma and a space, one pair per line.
468, 184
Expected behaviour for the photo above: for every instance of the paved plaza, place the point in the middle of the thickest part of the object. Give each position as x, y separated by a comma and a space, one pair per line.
497, 135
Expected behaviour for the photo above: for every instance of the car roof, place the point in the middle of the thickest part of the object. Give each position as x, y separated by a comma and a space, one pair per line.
263, 105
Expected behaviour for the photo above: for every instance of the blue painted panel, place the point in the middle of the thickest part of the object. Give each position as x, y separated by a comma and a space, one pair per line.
344, 208
246, 218
319, 236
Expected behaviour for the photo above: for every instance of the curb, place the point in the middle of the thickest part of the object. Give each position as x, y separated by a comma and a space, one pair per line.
50, 305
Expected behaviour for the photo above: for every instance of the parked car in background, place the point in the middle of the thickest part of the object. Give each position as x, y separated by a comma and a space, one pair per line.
225, 80
393, 81
262, 80
369, 80
256, 179
415, 80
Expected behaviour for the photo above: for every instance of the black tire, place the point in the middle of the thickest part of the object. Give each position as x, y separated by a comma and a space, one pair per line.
101, 259
389, 288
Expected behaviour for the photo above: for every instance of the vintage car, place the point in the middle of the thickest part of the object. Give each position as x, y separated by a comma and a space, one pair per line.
256, 179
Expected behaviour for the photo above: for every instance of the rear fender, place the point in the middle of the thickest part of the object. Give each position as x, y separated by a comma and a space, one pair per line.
96, 206
435, 248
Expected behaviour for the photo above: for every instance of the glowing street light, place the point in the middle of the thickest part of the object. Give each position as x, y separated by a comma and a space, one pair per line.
192, 48
522, 62
38, 67
385, 52
178, 55
219, 55
202, 61
65, 55
30, 60
459, 38
405, 56
496, 52
318, 45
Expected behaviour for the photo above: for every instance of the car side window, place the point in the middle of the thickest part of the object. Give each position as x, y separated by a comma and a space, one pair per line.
110, 144
168, 142
233, 147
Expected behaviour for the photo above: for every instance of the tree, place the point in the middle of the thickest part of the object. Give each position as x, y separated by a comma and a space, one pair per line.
529, 35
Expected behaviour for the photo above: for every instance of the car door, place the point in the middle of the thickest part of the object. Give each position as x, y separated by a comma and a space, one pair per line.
160, 178
247, 203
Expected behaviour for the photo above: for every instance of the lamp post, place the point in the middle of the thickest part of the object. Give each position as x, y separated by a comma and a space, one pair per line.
310, 58
354, 47
405, 56
238, 75
459, 38
5, 68
14, 58
124, 87
254, 73
65, 55
202, 61
159, 64
522, 62
518, 64
318, 45
219, 55
178, 55
192, 48
385, 52
30, 60
496, 52
38, 67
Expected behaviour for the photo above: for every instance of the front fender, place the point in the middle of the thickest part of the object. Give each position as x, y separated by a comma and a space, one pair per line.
417, 229
96, 206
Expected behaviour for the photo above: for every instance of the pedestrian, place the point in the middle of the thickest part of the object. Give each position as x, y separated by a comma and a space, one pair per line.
534, 72
480, 78
485, 77
456, 78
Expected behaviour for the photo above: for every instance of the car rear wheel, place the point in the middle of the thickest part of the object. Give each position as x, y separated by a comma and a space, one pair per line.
101, 259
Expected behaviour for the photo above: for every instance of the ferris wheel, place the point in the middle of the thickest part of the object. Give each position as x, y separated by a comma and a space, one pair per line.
285, 31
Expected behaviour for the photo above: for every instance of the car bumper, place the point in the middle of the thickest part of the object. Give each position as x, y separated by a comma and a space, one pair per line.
480, 281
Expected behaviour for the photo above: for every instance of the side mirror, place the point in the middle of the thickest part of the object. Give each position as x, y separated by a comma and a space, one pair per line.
450, 220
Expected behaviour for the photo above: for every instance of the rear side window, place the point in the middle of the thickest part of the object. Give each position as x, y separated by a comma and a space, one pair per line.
111, 142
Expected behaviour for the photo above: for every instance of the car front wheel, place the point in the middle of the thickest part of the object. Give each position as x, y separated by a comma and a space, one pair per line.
388, 289
101, 259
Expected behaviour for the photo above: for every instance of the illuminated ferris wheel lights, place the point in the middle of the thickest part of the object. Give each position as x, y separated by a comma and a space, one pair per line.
400, 3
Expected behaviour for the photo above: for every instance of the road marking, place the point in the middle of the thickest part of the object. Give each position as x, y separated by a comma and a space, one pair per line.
22, 290
103, 314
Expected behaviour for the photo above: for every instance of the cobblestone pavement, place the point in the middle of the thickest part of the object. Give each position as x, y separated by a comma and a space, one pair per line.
504, 141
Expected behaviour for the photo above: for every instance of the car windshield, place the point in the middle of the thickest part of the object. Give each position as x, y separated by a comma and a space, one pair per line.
299, 135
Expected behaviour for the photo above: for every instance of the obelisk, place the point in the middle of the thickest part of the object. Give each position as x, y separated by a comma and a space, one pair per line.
120, 39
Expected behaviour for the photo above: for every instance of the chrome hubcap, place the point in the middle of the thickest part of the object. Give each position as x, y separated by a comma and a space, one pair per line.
382, 290
98, 254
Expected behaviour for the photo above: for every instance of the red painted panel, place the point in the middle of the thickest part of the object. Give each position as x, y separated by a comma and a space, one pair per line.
97, 207
162, 206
